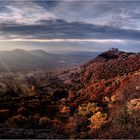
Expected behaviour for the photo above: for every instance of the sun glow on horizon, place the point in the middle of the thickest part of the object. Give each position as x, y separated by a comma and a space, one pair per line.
62, 45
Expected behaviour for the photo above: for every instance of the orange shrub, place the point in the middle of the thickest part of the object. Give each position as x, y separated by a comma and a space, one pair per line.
97, 121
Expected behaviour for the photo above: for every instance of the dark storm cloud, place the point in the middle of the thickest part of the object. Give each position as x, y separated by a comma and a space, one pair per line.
61, 29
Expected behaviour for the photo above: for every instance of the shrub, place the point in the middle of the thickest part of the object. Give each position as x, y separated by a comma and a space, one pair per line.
64, 113
108, 84
71, 127
114, 98
88, 109
133, 106
65, 109
17, 120
44, 122
121, 117
33, 121
97, 121
106, 99
23, 111
57, 125
134, 110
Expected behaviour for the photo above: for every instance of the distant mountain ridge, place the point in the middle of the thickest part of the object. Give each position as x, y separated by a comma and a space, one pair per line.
19, 59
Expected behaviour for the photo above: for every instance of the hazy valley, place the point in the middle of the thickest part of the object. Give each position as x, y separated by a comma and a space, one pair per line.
22, 60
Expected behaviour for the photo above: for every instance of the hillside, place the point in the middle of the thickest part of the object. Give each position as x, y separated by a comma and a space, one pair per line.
100, 99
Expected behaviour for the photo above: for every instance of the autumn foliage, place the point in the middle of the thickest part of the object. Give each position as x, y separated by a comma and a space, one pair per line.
100, 99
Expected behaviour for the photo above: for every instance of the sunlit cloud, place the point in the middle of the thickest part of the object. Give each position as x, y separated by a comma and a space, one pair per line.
66, 40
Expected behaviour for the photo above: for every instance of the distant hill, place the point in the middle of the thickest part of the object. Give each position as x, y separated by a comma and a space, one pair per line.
19, 59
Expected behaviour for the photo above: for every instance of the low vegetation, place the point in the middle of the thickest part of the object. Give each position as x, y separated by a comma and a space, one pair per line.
100, 99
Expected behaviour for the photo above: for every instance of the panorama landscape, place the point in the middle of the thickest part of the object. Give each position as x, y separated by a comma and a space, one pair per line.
69, 69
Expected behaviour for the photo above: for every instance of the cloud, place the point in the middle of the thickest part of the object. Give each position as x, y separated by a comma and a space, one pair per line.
71, 23
120, 14
61, 29
114, 13
23, 12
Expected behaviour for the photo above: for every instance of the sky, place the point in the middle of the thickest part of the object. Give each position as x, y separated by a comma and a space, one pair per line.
70, 25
